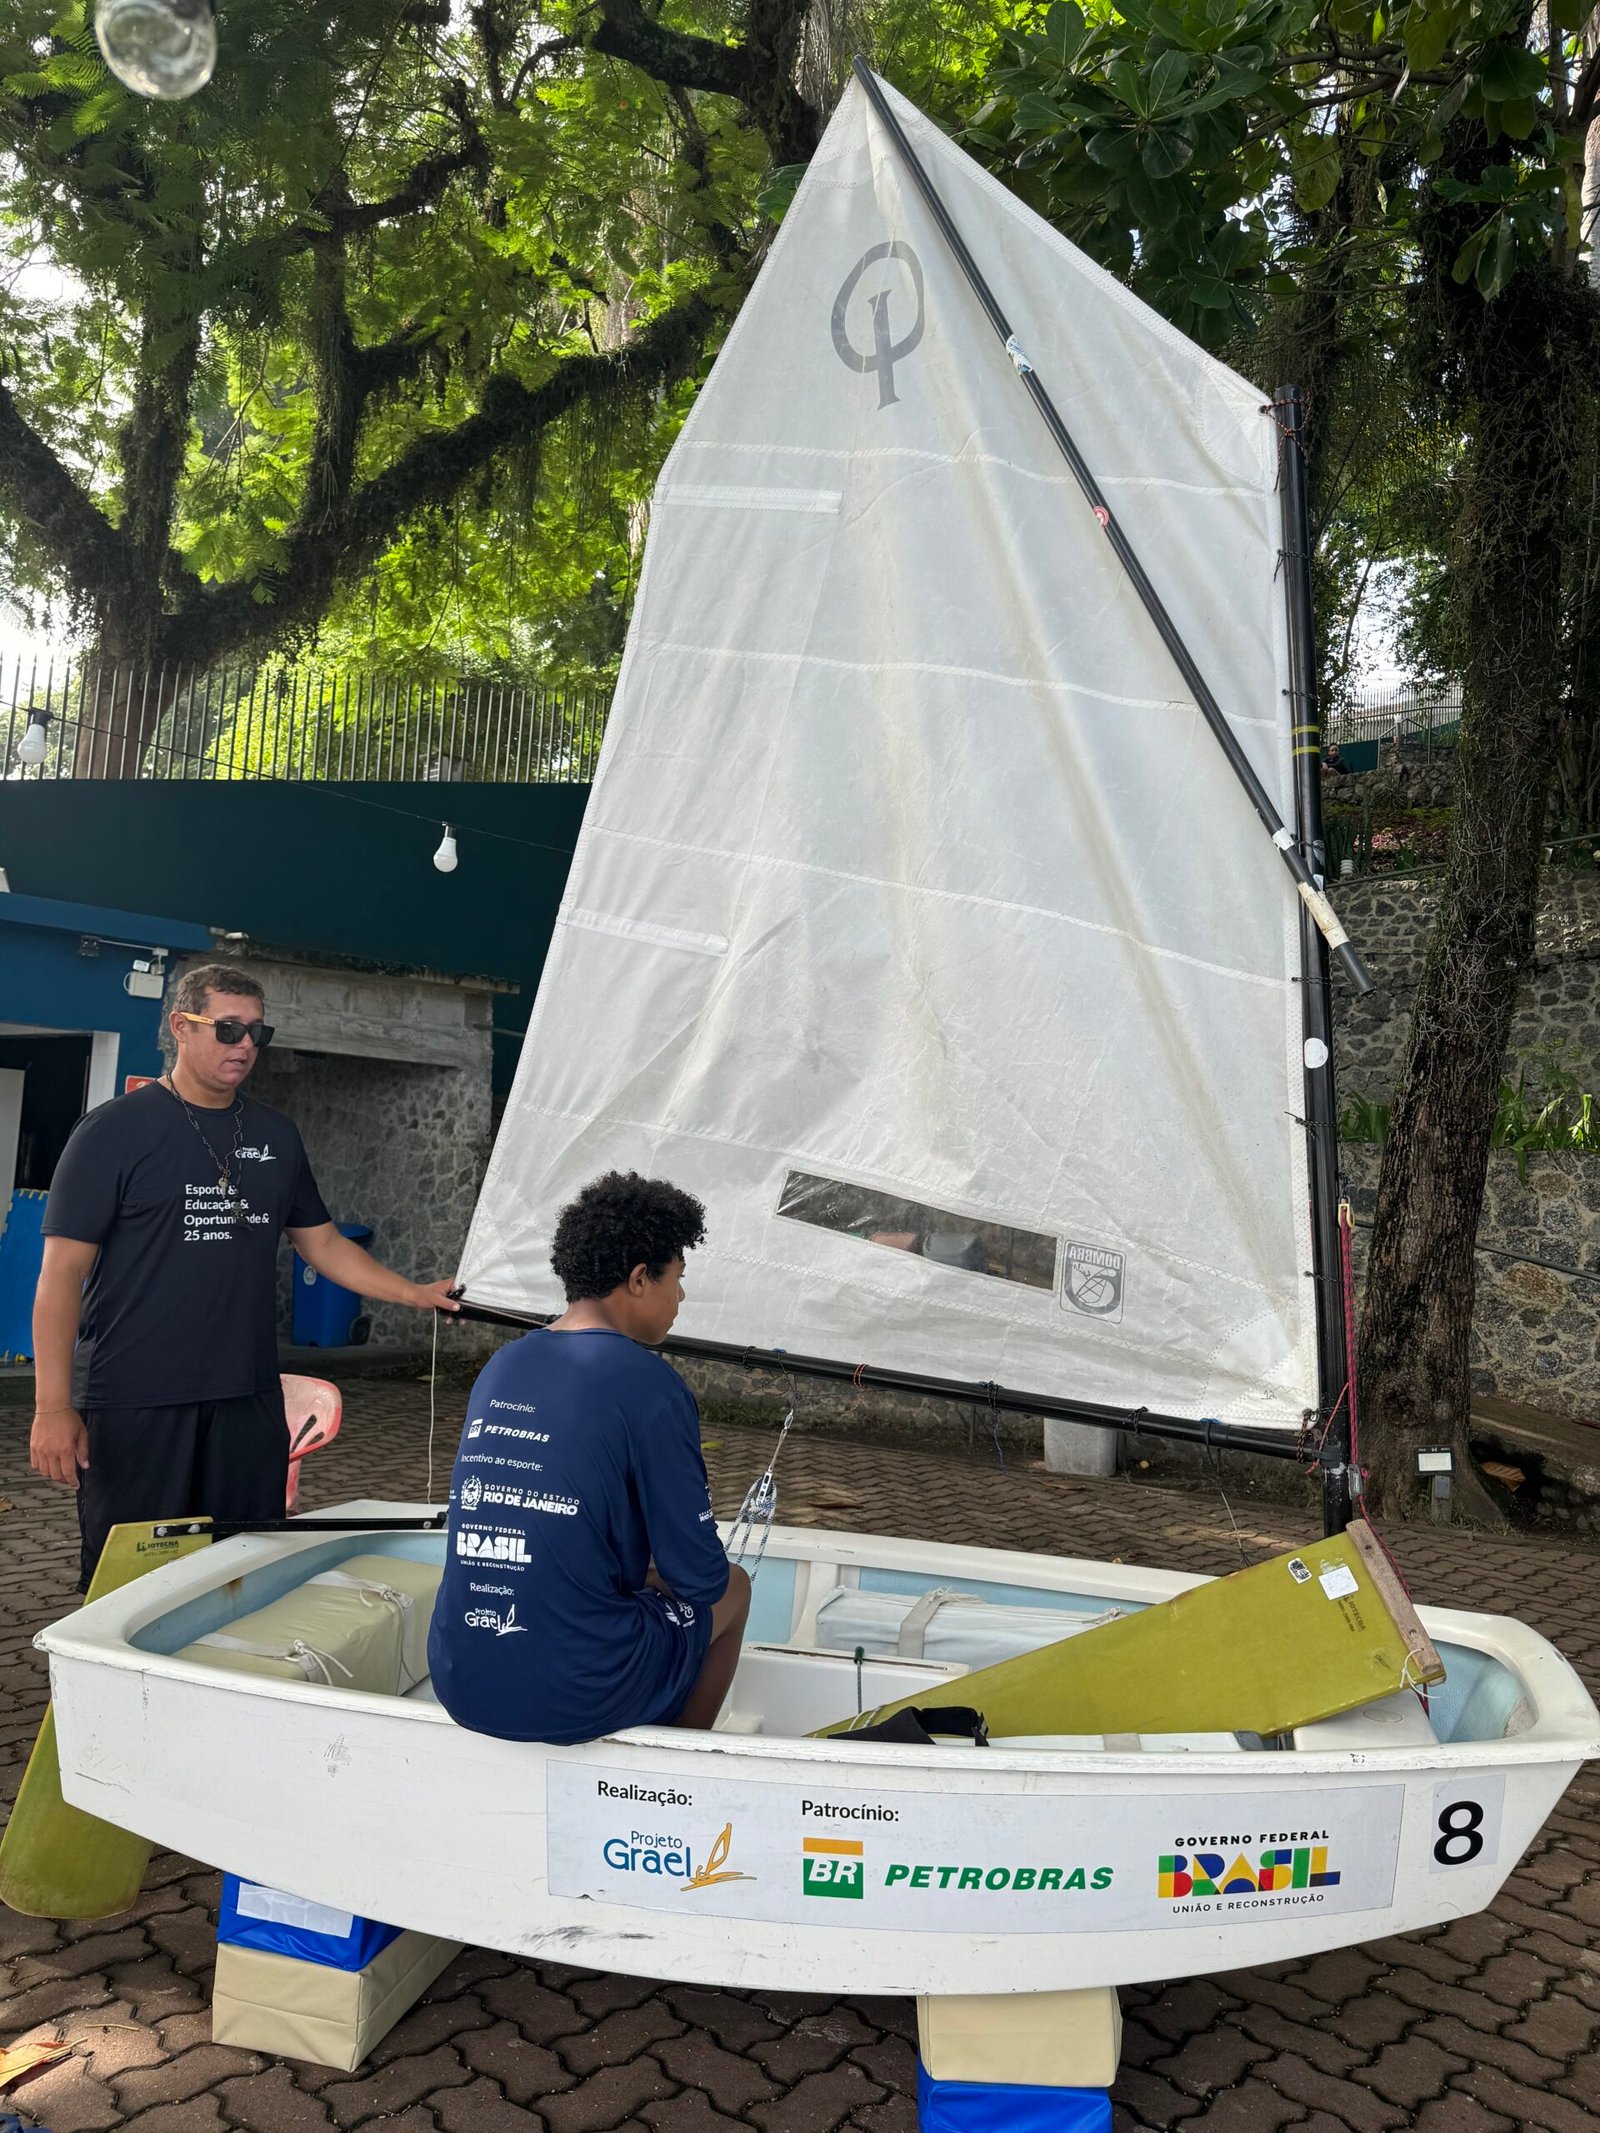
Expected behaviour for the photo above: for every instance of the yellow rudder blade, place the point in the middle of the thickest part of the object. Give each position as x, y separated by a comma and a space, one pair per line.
1282, 1644
56, 1861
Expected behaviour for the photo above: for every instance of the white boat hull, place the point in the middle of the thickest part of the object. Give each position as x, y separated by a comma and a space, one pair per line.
931, 1871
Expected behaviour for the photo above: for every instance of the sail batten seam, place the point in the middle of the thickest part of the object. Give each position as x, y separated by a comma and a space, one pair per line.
1274, 981
734, 496
647, 930
805, 656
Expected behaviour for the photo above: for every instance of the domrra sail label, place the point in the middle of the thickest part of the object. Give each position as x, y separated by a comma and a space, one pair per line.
960, 1862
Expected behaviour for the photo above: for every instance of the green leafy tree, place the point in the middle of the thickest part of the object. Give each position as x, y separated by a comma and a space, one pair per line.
407, 302
1389, 199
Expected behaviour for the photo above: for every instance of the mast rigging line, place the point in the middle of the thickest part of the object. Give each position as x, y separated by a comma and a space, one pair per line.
1130, 1421
1309, 889
1336, 1368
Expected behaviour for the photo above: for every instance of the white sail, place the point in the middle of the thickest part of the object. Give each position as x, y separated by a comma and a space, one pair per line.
917, 924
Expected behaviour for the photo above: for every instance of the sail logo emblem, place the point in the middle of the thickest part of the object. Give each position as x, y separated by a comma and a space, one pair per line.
1091, 1281
833, 1866
885, 351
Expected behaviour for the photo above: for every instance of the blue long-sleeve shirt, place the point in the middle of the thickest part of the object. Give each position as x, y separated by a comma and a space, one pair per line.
579, 1464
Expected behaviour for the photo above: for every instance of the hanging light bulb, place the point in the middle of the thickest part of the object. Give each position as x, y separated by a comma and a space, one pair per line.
446, 858
31, 748
160, 48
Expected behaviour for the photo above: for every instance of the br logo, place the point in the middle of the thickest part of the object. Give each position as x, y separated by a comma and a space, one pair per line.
885, 351
833, 1866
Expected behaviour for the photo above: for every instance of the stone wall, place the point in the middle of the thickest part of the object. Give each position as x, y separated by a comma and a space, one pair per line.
1536, 1317
1536, 1332
387, 1076
1558, 1012
402, 1148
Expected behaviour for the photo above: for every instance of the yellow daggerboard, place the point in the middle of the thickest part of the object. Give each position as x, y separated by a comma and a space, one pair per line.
1282, 1644
56, 1861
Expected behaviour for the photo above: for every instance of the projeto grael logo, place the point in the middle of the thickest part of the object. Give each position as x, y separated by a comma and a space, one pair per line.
886, 351
1280, 1869
833, 1866
670, 1856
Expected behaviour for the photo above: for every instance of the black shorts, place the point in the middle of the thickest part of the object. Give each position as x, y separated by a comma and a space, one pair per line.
213, 1459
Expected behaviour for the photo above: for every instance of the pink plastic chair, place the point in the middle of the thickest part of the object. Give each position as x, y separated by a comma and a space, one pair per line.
312, 1408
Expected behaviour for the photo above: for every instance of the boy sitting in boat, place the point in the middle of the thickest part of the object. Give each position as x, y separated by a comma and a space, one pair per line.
585, 1588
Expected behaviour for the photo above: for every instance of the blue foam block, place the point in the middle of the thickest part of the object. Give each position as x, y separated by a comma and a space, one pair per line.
1004, 2107
253, 1916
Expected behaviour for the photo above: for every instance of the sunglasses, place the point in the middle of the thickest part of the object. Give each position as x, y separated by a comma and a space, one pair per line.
230, 1030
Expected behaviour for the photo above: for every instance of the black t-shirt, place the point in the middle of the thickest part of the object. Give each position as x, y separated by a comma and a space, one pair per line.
182, 1302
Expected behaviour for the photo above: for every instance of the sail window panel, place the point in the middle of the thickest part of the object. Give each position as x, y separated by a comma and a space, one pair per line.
1003, 1253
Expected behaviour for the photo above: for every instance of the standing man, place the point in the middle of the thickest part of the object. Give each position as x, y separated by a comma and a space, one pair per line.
155, 1319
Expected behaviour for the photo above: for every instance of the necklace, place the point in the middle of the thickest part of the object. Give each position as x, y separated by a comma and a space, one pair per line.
225, 1177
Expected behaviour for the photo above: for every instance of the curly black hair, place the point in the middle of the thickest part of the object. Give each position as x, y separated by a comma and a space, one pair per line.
619, 1222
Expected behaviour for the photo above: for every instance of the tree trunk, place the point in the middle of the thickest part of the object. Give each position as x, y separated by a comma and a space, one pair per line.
127, 692
132, 689
1516, 362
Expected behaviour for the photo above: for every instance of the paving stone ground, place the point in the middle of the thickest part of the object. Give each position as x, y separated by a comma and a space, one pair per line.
1477, 2027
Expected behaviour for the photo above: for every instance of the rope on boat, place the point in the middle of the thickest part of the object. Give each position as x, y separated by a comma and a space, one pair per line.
433, 1403
313, 1665
758, 1510
1347, 1274
366, 1589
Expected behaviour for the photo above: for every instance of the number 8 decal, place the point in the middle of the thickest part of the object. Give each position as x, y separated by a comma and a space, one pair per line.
1460, 1833
1465, 1825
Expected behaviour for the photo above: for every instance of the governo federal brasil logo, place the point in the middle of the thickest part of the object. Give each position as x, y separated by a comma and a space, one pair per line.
1276, 1870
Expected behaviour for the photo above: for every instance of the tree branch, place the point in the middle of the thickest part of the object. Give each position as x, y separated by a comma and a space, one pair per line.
334, 372
760, 72
431, 471
421, 189
37, 488
696, 153
240, 266
1585, 90
682, 62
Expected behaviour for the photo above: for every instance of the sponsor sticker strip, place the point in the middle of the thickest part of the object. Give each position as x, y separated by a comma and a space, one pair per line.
966, 1862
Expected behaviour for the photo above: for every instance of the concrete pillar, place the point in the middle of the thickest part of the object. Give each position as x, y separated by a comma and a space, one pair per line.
1078, 1448
1035, 2039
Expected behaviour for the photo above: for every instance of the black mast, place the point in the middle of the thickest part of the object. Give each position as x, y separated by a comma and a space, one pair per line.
1310, 893
1340, 1483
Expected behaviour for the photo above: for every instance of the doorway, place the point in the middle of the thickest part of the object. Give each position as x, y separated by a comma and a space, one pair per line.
55, 1082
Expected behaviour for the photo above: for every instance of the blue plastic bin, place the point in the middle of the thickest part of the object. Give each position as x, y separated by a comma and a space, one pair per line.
996, 2107
324, 1313
21, 1256
252, 1916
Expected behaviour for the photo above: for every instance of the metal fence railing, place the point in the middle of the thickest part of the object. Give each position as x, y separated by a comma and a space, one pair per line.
290, 722
1416, 722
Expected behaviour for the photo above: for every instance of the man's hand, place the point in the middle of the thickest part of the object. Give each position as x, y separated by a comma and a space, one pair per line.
339, 1258
432, 1295
59, 1444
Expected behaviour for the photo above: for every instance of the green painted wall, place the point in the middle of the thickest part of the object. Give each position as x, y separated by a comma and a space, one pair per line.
336, 869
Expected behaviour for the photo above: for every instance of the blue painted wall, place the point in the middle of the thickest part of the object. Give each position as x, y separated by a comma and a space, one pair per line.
45, 977
335, 869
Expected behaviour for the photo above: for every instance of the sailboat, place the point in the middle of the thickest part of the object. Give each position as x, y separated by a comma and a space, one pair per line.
947, 915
